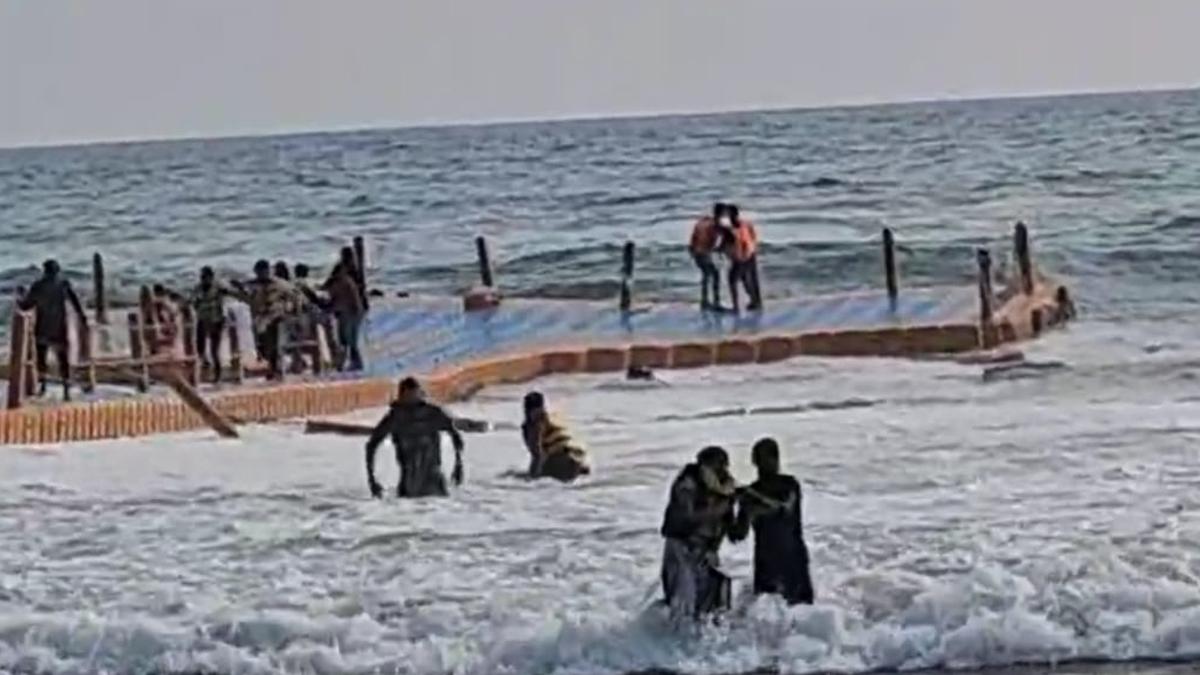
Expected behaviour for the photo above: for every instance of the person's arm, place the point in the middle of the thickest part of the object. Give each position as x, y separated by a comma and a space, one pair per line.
533, 442
740, 527
73, 298
28, 300
447, 425
379, 433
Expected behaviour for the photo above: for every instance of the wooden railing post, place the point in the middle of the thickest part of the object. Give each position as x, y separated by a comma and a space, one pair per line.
360, 259
138, 350
98, 289
986, 298
485, 262
18, 357
236, 366
191, 360
627, 255
889, 265
1024, 259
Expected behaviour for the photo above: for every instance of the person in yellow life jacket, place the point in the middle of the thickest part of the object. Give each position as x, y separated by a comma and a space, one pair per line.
743, 255
708, 236
552, 452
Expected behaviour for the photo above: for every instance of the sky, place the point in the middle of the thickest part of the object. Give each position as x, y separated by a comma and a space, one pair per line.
87, 70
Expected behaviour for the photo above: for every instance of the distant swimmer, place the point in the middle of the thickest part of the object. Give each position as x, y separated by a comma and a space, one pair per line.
49, 296
699, 516
743, 255
635, 373
771, 505
552, 452
1065, 306
708, 237
416, 426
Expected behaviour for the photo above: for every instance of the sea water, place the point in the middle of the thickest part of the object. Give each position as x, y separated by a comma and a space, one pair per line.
1039, 517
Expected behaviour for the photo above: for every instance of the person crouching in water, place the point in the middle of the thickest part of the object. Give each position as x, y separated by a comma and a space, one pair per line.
771, 505
699, 516
416, 426
552, 452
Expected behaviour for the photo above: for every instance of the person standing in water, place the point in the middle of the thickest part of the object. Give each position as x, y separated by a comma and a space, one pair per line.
708, 236
271, 301
771, 505
49, 296
415, 426
699, 516
552, 452
348, 308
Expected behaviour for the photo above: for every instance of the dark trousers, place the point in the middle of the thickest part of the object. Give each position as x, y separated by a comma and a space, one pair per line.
266, 341
348, 328
42, 354
208, 344
746, 273
710, 279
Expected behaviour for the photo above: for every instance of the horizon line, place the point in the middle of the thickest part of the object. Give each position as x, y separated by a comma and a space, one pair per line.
596, 117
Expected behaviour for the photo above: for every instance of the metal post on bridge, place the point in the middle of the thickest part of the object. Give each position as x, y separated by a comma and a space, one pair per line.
986, 298
485, 262
98, 289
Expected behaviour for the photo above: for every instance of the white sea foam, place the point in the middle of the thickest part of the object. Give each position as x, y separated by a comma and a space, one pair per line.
952, 523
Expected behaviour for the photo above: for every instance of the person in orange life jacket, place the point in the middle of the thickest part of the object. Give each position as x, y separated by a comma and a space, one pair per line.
743, 254
771, 505
699, 516
708, 236
552, 452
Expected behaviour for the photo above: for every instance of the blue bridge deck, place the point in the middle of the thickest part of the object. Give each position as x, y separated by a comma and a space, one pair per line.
419, 334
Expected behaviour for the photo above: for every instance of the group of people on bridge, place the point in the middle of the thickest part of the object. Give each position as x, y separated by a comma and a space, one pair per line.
705, 505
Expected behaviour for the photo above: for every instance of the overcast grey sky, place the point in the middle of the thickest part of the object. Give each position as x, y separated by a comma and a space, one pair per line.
114, 69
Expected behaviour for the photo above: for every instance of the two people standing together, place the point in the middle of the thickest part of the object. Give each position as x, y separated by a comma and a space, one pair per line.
726, 232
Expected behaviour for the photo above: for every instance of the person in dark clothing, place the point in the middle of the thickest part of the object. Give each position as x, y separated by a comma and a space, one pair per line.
348, 307
771, 505
49, 296
282, 271
348, 262
208, 302
552, 451
415, 426
699, 516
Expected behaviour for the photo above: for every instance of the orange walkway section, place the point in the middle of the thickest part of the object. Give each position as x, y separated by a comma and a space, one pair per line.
1021, 318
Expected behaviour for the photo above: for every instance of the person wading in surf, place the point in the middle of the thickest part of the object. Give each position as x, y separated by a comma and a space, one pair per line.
699, 516
771, 505
743, 255
552, 452
415, 426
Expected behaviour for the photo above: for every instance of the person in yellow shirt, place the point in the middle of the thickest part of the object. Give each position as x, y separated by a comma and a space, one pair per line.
552, 451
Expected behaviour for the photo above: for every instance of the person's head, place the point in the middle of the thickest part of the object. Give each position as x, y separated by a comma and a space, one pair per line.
348, 258
765, 456
732, 211
207, 277
718, 210
262, 270
535, 404
282, 271
713, 457
159, 291
301, 271
410, 390
50, 268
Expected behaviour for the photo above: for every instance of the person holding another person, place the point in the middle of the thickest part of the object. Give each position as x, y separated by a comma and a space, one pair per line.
698, 518
552, 452
708, 237
271, 301
742, 250
771, 506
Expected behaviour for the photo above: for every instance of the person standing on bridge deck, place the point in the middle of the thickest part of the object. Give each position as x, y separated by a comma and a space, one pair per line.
743, 255
771, 505
699, 517
346, 304
208, 301
49, 296
708, 236
415, 426
271, 300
